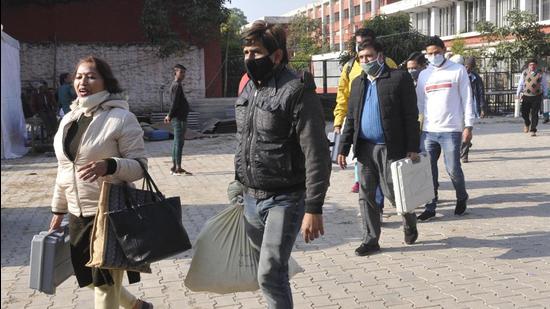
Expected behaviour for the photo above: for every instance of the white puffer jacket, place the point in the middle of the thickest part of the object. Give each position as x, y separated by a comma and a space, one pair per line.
114, 132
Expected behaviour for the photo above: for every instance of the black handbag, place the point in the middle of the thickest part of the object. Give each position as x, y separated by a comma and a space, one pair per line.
150, 231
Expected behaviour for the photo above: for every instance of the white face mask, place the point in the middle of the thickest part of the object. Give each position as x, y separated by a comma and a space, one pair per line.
436, 60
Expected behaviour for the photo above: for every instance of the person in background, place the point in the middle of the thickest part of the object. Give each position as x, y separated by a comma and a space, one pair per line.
415, 64
445, 99
44, 105
382, 125
98, 141
478, 101
350, 71
178, 117
532, 86
65, 92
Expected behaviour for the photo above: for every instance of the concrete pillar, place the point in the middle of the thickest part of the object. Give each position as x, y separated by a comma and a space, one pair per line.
460, 17
434, 22
525, 5
373, 8
362, 9
412, 18
491, 11
331, 21
341, 24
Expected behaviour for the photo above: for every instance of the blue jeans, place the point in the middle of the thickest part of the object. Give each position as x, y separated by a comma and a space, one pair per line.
272, 225
179, 127
448, 142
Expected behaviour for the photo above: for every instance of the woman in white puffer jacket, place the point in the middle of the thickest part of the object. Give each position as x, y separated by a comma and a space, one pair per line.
98, 140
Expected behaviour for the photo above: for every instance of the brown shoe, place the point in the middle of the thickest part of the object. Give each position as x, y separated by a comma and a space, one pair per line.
533, 134
525, 129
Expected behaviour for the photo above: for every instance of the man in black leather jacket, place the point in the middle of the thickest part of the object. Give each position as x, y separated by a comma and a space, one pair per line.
382, 125
282, 158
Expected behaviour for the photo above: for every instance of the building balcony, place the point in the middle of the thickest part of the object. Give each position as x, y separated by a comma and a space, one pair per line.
412, 6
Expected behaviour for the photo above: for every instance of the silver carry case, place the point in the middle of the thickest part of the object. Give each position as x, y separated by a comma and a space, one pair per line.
334, 143
412, 183
50, 260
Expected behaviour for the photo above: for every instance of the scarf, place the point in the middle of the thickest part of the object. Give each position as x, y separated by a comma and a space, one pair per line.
89, 104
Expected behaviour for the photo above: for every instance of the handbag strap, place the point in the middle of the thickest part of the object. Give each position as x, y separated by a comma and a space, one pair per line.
151, 185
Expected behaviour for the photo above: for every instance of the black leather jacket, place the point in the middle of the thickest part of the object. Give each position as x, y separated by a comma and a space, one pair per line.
282, 146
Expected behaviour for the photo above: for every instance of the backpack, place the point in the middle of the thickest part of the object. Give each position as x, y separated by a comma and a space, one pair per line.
350, 66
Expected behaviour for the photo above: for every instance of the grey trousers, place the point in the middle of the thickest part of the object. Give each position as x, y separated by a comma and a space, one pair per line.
374, 170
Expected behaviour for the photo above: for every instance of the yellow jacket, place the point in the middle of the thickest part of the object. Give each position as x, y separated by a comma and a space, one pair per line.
344, 87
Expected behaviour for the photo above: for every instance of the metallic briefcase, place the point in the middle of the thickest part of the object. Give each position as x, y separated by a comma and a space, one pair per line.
50, 260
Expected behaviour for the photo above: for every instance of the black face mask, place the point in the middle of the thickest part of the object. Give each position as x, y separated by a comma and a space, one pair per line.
259, 69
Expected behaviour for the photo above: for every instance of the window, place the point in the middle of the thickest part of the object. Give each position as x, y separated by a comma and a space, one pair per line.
367, 7
422, 22
541, 8
545, 5
357, 10
337, 16
346, 13
502, 8
475, 11
447, 20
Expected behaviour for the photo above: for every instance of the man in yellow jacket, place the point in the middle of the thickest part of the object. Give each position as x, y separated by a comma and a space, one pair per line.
350, 71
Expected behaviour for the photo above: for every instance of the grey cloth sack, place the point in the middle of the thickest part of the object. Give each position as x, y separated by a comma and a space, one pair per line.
224, 260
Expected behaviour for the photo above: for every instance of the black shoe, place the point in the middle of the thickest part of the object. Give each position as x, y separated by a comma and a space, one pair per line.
545, 120
411, 235
365, 249
460, 207
426, 215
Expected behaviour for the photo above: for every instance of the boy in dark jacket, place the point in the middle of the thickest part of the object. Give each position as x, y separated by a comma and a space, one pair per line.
282, 158
178, 117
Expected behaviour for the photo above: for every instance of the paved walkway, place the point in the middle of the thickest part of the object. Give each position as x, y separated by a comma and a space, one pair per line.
496, 256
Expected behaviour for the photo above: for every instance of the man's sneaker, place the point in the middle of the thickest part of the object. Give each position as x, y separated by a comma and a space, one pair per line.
460, 207
411, 235
545, 120
533, 134
355, 188
365, 249
174, 172
426, 215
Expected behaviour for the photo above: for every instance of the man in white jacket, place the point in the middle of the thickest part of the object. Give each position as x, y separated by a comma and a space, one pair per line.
444, 99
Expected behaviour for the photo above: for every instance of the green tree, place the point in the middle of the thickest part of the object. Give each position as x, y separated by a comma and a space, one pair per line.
521, 37
397, 35
161, 20
304, 40
459, 48
231, 48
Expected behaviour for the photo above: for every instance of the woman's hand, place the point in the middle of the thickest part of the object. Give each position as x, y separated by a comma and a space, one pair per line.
93, 170
56, 222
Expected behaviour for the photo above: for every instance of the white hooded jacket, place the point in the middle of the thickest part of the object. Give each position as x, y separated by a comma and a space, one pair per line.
114, 132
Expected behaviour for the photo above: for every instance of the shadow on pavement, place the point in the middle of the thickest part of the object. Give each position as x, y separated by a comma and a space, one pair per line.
497, 150
490, 159
526, 245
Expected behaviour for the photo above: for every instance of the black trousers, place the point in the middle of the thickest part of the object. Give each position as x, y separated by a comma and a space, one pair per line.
530, 107
374, 170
